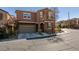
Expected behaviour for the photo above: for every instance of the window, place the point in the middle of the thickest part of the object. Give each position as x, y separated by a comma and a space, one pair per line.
26, 15
77, 21
1, 16
49, 26
50, 15
41, 14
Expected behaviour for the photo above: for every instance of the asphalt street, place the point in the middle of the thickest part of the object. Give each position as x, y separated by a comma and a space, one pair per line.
65, 41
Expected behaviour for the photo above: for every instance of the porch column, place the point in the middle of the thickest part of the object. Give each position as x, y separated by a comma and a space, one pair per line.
13, 28
39, 29
7, 31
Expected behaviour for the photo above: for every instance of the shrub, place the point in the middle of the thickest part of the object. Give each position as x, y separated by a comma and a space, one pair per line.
58, 28
3, 33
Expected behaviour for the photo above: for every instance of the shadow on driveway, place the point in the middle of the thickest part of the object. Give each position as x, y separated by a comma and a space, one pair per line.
55, 39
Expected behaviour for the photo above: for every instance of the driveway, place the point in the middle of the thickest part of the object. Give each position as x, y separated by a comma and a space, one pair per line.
66, 41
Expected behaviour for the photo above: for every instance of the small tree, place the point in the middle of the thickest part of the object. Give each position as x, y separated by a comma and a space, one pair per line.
59, 28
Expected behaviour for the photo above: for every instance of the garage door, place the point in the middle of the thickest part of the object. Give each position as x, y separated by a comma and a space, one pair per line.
23, 28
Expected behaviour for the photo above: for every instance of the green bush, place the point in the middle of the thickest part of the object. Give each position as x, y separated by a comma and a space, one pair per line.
58, 28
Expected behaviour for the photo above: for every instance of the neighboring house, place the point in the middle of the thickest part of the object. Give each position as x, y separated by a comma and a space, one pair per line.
71, 23
40, 21
75, 22
6, 20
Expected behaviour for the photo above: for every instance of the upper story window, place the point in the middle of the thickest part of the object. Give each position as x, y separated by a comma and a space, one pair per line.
1, 16
77, 21
50, 15
41, 14
27, 16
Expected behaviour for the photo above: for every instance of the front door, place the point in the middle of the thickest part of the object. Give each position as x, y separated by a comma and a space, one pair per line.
42, 27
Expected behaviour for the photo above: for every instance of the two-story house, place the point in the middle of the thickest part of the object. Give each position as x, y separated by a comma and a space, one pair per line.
42, 20
6, 19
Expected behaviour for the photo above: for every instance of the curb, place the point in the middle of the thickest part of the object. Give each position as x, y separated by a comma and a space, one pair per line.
41, 37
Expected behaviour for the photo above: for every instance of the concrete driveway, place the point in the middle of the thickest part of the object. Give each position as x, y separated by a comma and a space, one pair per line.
66, 41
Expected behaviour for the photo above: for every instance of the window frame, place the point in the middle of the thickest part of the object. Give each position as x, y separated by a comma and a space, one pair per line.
25, 16
50, 15
41, 14
49, 25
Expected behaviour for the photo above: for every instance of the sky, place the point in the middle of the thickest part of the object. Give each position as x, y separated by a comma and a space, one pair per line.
64, 11
62, 15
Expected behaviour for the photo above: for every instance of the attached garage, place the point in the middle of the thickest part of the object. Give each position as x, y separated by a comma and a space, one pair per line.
23, 28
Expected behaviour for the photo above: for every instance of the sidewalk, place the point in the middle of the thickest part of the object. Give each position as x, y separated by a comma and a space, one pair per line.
64, 31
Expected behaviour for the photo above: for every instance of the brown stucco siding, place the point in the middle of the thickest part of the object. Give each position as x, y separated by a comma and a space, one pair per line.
37, 20
19, 15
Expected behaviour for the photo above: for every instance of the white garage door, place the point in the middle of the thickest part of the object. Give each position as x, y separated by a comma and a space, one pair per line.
27, 28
